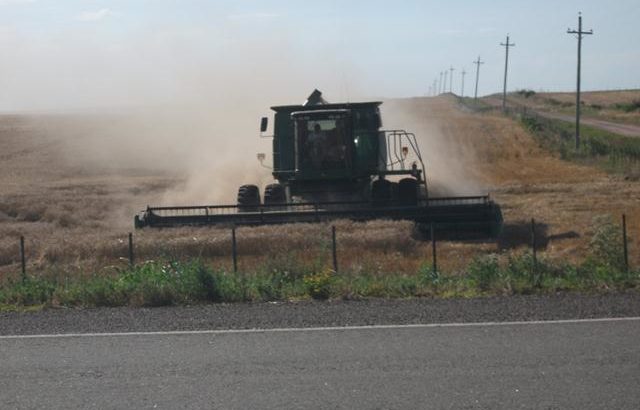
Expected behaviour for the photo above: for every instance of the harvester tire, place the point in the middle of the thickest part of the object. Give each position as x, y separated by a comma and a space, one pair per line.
274, 194
381, 192
408, 192
248, 198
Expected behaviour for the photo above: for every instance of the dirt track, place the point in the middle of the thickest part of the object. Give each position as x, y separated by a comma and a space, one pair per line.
627, 130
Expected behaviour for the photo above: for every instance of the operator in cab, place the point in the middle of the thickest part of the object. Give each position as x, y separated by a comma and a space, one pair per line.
316, 143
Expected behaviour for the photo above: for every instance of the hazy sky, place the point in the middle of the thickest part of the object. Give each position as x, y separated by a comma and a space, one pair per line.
79, 53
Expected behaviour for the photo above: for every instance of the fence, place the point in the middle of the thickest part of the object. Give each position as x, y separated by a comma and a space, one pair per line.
234, 254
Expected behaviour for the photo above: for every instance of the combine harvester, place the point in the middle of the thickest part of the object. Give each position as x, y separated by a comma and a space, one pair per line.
333, 161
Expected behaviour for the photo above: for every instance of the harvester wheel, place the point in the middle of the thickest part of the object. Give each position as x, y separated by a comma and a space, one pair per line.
248, 198
381, 192
274, 194
408, 192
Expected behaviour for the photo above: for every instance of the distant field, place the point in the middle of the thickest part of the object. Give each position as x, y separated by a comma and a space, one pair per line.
74, 200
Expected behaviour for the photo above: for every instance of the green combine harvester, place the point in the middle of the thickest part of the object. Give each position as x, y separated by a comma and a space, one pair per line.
333, 161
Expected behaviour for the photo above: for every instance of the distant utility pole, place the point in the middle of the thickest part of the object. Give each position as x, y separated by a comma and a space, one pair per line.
462, 73
451, 69
477, 63
440, 84
444, 87
579, 33
435, 89
506, 65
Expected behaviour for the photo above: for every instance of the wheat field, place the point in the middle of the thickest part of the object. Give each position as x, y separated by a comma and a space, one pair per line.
75, 204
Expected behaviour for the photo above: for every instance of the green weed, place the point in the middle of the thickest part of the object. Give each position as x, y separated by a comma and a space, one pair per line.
628, 107
319, 285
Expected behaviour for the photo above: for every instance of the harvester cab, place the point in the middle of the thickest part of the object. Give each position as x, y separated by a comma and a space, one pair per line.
338, 152
334, 161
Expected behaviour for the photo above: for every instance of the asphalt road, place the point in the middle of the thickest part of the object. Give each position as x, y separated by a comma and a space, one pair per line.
567, 365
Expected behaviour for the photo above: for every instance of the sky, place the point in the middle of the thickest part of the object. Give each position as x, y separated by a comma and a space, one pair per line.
76, 54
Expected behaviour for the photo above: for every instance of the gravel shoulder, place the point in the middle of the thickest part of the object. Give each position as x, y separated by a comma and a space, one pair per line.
317, 314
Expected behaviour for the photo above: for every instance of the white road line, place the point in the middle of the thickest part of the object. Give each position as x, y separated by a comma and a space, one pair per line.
321, 329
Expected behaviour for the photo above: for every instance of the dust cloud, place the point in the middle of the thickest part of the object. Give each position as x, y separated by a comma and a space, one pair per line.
188, 106
448, 159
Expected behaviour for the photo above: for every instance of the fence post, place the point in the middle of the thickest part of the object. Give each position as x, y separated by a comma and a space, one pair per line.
23, 259
131, 261
624, 243
433, 251
335, 254
534, 267
234, 249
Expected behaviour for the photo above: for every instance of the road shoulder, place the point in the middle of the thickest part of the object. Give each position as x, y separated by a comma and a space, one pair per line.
305, 314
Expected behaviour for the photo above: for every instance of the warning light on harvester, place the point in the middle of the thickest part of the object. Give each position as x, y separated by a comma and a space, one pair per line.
405, 152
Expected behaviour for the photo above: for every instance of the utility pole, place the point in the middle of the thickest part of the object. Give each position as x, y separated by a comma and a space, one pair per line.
462, 73
440, 84
444, 87
506, 65
580, 33
477, 63
451, 69
434, 88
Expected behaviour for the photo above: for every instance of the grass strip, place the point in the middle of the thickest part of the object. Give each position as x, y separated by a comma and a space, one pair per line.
185, 283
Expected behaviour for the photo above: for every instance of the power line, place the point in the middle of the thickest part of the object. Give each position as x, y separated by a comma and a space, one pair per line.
444, 88
477, 63
579, 33
506, 65
451, 69
462, 73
